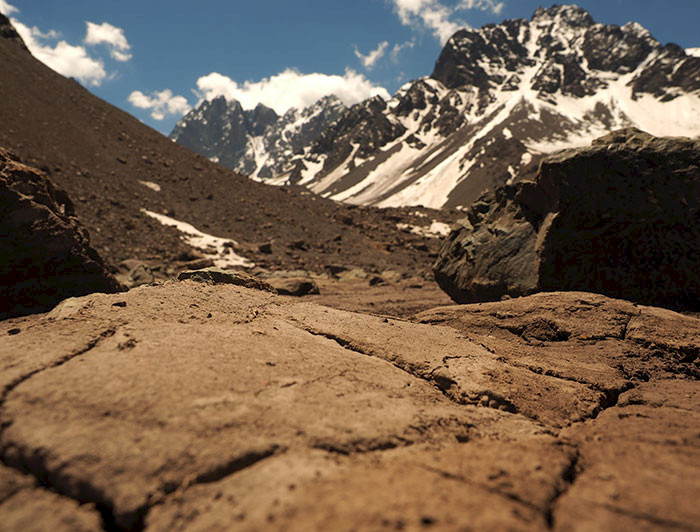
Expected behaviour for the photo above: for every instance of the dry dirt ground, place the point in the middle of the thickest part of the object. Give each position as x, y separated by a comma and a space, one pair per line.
401, 298
187, 406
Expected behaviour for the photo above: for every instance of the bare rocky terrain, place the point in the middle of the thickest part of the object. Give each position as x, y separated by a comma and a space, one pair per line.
113, 167
191, 406
210, 401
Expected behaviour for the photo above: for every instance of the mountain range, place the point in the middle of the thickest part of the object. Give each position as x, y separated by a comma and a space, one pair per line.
498, 99
132, 188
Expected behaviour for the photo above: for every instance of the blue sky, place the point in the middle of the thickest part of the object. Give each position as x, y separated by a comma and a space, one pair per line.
156, 58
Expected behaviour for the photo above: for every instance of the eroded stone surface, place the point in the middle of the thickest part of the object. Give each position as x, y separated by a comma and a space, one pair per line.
191, 406
27, 507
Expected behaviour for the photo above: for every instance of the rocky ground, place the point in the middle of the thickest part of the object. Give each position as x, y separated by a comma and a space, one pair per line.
190, 406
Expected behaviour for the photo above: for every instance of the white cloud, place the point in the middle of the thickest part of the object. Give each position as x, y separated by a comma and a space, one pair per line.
429, 13
7, 9
110, 35
439, 18
371, 58
398, 48
290, 89
161, 103
66, 59
485, 5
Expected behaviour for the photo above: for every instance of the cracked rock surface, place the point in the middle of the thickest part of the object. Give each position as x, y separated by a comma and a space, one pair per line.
190, 406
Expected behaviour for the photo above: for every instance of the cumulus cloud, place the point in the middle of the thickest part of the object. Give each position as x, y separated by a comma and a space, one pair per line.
375, 55
160, 103
439, 18
66, 59
398, 48
7, 8
428, 13
290, 88
485, 5
111, 36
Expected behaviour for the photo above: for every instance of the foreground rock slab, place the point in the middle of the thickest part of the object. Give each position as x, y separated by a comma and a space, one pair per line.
195, 406
620, 218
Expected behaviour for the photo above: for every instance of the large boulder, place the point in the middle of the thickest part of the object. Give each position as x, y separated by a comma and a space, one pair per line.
202, 406
45, 253
621, 218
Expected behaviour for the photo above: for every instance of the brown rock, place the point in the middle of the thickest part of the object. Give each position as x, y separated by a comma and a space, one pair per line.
9, 33
27, 507
265, 247
201, 407
295, 287
46, 254
219, 276
619, 218
198, 264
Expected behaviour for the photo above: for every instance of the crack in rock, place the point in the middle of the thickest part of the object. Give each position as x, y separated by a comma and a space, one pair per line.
84, 492
444, 383
609, 399
656, 521
33, 462
89, 347
460, 430
231, 467
626, 325
464, 480
361, 447
345, 344
567, 479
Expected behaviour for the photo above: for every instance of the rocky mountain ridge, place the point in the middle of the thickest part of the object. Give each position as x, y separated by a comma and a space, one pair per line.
498, 99
257, 142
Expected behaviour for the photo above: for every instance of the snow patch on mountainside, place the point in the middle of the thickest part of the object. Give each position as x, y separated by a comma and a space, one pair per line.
213, 247
150, 184
435, 230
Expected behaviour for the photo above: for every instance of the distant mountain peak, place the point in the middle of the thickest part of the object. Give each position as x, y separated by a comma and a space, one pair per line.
256, 142
570, 14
